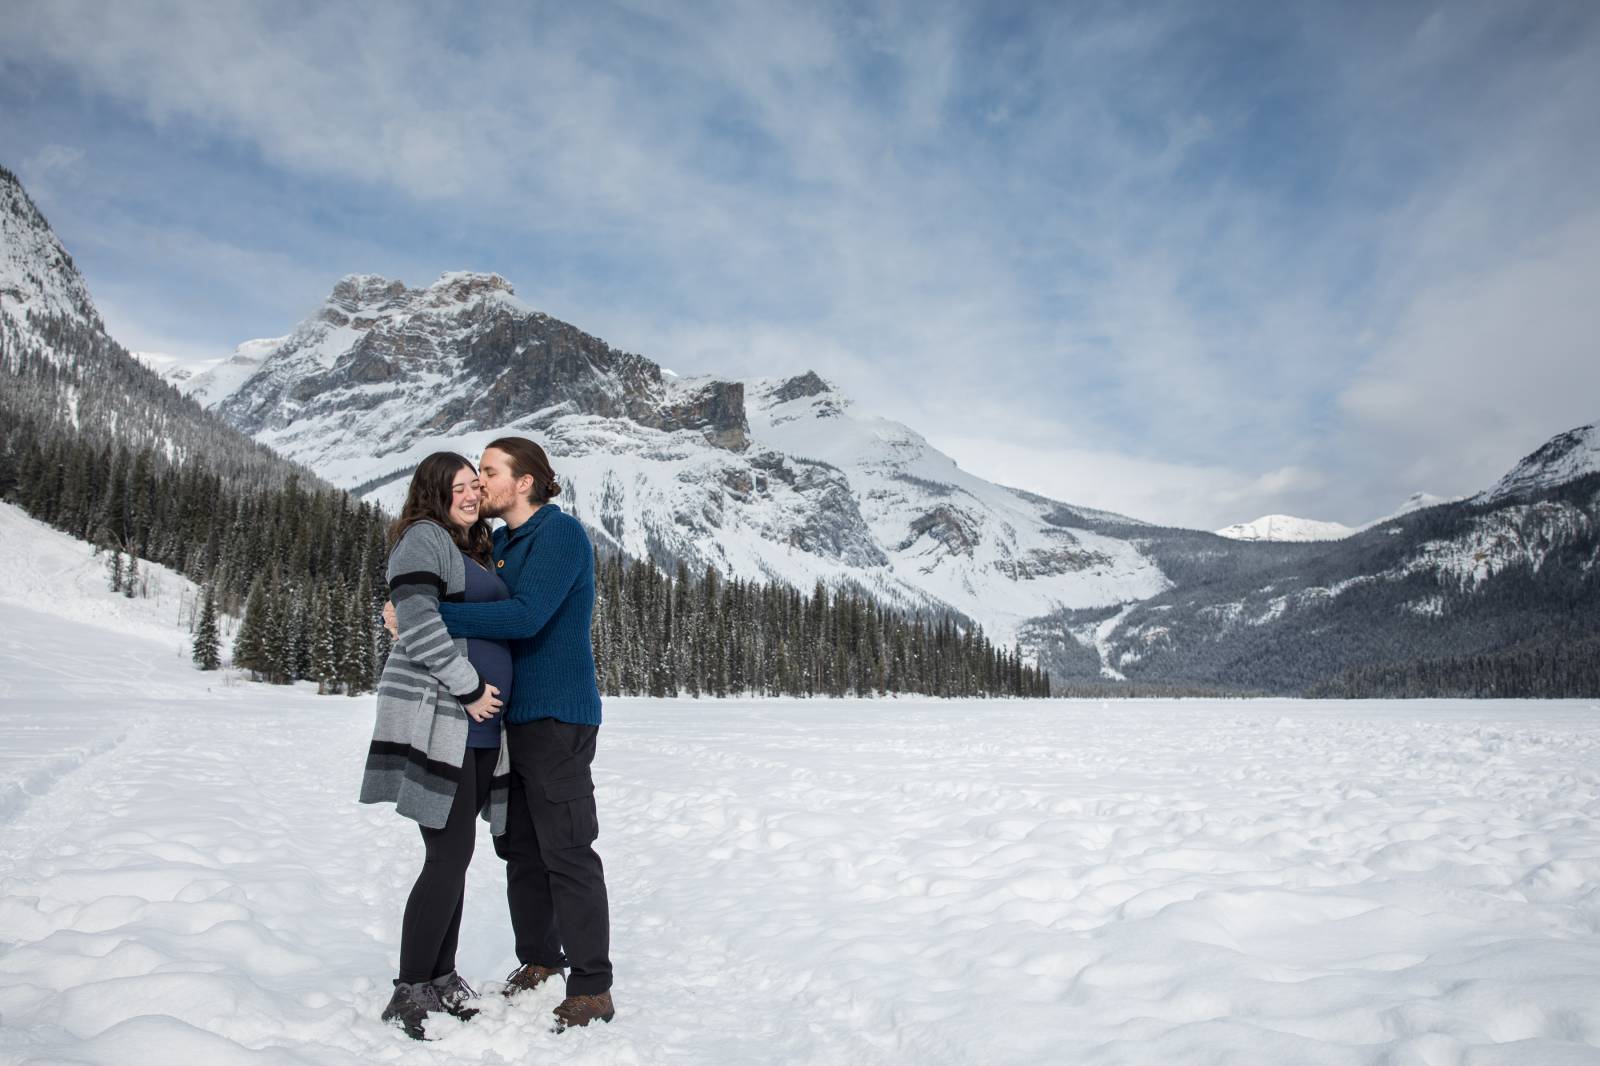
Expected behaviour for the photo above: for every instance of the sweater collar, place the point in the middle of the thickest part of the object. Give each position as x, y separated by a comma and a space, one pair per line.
532, 523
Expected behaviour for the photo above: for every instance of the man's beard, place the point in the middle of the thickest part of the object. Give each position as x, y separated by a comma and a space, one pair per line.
488, 509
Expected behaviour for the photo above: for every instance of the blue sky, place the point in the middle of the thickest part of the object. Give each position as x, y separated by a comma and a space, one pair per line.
1191, 262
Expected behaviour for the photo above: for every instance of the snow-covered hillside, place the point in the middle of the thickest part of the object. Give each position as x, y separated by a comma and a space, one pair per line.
1564, 457
1439, 580
185, 875
37, 276
765, 479
45, 566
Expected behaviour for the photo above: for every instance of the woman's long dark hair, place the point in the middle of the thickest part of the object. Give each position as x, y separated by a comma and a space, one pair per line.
429, 498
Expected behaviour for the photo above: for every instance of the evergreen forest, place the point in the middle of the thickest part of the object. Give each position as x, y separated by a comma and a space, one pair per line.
100, 447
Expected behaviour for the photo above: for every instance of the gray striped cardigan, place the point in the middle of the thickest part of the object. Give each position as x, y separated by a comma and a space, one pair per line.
420, 740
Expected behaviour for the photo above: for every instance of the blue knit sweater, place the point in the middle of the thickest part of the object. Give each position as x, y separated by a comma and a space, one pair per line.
548, 564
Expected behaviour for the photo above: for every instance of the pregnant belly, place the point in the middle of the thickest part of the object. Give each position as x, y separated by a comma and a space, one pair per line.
492, 660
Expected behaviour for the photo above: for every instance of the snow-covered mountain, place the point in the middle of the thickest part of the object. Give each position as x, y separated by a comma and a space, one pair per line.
1279, 528
1563, 458
1417, 501
1517, 564
209, 381
64, 374
1287, 529
769, 478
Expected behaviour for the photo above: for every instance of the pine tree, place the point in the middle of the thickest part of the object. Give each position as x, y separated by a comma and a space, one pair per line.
324, 653
279, 642
250, 643
207, 643
358, 670
114, 570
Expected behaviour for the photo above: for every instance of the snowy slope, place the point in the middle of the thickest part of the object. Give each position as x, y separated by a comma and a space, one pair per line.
996, 554
45, 565
210, 381
47, 568
189, 878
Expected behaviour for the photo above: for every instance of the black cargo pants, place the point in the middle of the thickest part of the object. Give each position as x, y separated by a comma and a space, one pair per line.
555, 885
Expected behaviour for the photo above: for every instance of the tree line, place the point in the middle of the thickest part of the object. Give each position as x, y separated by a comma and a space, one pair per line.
63, 375
1542, 669
304, 566
666, 635
97, 445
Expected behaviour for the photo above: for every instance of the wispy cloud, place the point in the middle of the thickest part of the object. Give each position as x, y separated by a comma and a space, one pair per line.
1141, 244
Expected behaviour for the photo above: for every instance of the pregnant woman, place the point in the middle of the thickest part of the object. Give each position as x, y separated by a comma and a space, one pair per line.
438, 751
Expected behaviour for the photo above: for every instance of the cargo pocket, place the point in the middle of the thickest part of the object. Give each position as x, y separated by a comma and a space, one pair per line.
574, 821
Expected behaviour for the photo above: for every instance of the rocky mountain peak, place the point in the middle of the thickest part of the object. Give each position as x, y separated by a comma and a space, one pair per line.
357, 293
807, 384
360, 300
460, 353
804, 395
463, 286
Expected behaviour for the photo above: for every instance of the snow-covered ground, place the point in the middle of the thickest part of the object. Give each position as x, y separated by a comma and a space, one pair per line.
185, 876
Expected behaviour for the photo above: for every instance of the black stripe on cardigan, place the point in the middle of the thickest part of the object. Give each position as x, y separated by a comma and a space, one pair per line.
418, 577
395, 750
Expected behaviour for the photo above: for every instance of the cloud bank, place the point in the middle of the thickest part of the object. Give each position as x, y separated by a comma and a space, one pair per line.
1192, 265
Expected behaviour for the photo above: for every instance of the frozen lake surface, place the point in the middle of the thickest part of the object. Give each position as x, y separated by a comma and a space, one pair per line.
185, 875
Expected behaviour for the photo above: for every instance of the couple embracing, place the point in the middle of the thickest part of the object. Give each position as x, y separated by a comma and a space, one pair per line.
488, 705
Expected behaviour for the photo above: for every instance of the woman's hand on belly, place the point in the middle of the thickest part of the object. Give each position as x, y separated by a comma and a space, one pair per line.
485, 706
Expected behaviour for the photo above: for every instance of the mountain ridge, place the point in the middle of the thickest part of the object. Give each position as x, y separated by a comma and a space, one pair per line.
773, 477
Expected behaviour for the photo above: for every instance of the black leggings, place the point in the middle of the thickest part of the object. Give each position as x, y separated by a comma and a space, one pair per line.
432, 923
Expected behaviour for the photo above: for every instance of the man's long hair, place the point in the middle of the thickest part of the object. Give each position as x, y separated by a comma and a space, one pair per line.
429, 498
527, 458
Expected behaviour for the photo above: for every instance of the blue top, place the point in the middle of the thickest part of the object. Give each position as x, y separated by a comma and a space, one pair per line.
491, 658
548, 564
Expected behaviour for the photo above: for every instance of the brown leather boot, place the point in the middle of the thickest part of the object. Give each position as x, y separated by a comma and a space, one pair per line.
581, 1010
528, 976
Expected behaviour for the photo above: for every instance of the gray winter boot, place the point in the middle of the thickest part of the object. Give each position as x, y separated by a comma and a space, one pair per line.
454, 994
410, 1006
